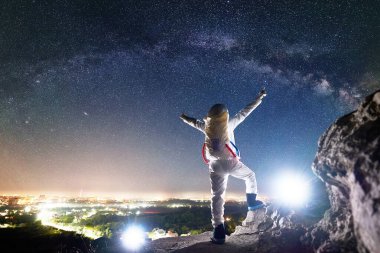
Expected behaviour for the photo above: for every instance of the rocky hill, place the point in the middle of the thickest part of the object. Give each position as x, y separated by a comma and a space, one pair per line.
348, 162
275, 229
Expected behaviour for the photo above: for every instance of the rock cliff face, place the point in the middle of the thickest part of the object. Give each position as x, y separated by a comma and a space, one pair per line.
348, 161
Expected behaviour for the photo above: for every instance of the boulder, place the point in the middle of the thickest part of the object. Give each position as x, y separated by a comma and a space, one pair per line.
348, 161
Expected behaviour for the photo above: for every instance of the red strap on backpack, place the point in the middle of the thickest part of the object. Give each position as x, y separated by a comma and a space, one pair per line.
229, 149
204, 154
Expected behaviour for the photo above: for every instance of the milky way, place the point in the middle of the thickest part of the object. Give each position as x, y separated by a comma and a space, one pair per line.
91, 91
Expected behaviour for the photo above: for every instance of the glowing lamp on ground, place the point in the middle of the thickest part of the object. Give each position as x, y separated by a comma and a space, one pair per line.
133, 238
292, 189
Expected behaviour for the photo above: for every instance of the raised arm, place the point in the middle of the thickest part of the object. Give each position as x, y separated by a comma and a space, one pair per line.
196, 123
243, 113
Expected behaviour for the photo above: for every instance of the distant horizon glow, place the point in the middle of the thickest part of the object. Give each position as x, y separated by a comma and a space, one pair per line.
137, 196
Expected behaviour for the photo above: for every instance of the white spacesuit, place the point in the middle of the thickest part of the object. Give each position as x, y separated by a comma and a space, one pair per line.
222, 156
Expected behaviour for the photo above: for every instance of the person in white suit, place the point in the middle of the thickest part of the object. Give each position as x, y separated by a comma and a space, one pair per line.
222, 156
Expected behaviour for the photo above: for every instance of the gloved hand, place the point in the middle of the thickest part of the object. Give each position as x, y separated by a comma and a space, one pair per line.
262, 93
183, 117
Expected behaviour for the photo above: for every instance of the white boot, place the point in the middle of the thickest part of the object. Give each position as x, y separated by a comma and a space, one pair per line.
249, 220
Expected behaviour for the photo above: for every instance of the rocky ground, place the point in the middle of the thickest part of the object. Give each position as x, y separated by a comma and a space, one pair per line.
274, 229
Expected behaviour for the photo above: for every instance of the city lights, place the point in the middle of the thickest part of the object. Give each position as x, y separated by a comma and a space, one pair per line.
93, 217
27, 209
45, 216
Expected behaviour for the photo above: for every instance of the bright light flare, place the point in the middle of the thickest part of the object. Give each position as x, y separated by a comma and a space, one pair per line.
133, 238
44, 216
27, 209
292, 189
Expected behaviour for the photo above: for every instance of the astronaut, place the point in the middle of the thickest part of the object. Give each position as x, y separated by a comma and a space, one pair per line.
222, 156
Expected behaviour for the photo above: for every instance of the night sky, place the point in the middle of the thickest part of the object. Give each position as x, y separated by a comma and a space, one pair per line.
91, 91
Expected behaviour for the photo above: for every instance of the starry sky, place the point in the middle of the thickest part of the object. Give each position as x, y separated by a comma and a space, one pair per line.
91, 91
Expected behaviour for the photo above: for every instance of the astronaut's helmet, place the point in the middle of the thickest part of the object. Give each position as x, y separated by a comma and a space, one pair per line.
217, 110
